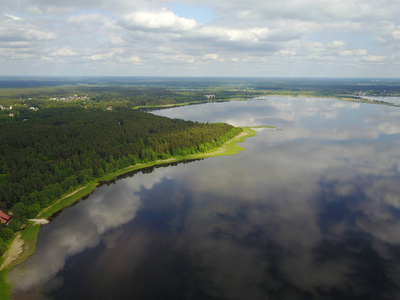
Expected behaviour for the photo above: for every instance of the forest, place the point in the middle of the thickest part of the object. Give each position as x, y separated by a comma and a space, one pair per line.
49, 152
57, 134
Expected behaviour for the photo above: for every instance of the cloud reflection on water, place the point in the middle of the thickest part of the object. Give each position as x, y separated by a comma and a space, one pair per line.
81, 227
307, 212
344, 156
286, 228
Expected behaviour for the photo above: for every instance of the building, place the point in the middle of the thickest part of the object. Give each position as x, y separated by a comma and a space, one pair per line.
4, 218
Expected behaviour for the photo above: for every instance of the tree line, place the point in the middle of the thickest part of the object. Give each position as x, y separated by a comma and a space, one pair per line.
53, 151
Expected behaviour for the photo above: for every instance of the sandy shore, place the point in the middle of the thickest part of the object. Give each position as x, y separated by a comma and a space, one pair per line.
13, 251
39, 221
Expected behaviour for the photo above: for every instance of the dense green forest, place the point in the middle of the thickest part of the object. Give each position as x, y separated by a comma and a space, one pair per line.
59, 133
53, 151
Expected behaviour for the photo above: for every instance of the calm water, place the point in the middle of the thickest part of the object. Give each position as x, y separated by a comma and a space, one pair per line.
392, 100
311, 211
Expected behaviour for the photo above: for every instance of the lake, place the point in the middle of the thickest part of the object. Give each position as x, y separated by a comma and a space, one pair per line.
390, 100
310, 210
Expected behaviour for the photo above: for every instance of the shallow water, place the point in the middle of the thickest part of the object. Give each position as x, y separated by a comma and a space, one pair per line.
307, 212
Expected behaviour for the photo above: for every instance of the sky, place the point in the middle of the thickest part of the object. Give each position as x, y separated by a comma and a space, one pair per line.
228, 38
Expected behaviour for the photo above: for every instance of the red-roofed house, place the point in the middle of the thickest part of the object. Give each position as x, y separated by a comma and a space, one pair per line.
4, 218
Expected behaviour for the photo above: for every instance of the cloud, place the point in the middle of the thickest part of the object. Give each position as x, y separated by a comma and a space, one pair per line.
328, 10
373, 58
274, 234
163, 20
252, 35
13, 17
131, 59
97, 217
20, 31
243, 14
396, 33
101, 56
389, 128
15, 44
210, 56
271, 38
65, 51
184, 58
337, 44
85, 19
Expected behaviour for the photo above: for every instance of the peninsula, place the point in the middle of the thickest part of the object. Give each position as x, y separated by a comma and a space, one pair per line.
55, 156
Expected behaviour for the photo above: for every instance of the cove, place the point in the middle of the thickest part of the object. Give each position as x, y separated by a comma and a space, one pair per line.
307, 212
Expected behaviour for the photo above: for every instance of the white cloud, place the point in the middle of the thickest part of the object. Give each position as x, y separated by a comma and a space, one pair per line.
330, 38
21, 44
396, 33
253, 35
184, 58
13, 17
39, 34
359, 52
116, 40
373, 58
337, 44
21, 56
101, 56
158, 20
65, 51
131, 59
210, 56
346, 53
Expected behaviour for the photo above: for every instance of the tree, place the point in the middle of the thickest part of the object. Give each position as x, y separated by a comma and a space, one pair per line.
6, 233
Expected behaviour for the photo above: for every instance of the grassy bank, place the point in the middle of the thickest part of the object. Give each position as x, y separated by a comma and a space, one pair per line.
22, 246
24, 242
229, 148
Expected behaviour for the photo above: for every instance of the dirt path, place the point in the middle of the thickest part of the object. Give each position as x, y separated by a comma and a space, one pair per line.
13, 251
73, 193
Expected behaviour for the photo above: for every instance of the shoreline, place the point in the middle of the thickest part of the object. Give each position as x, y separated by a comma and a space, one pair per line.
255, 97
21, 248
